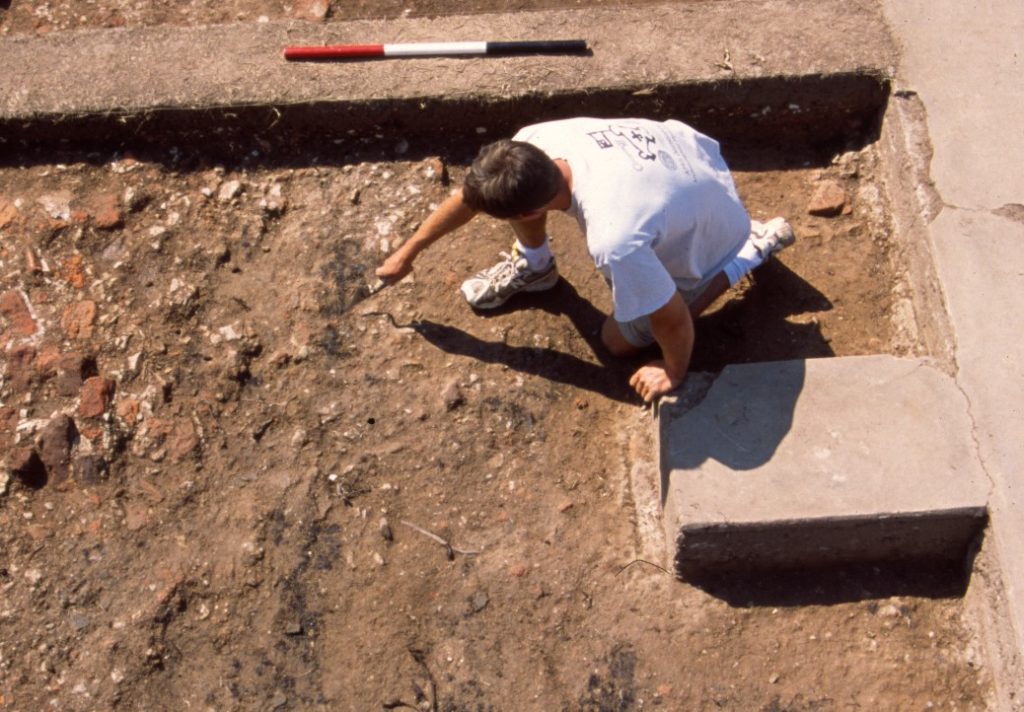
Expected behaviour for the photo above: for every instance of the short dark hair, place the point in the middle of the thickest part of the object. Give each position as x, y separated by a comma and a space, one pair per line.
511, 178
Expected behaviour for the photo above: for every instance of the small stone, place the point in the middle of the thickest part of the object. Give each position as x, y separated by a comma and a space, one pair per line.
479, 601
293, 628
517, 570
828, 200
97, 393
452, 396
889, 611
229, 191
78, 319
8, 212
14, 307
565, 506
79, 622
71, 370
183, 440
312, 10
773, 678
57, 205
385, 530
278, 700
437, 170
90, 469
55, 444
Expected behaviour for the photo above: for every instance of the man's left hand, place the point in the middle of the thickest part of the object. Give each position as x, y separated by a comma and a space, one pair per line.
653, 380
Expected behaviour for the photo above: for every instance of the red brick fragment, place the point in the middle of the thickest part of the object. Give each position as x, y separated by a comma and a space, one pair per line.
105, 211
97, 393
828, 200
15, 309
20, 370
78, 319
71, 271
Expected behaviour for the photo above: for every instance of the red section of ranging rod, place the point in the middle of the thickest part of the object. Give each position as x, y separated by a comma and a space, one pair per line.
437, 49
334, 52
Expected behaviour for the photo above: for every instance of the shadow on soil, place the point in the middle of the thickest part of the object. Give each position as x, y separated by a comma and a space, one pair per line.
839, 584
746, 329
606, 376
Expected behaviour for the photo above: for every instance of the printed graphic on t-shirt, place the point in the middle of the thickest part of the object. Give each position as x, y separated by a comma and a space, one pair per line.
635, 142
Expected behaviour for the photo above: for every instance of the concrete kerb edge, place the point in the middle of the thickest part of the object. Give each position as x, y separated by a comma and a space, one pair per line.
817, 109
914, 203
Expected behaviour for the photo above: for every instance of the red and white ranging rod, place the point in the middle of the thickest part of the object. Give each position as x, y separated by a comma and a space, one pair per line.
437, 49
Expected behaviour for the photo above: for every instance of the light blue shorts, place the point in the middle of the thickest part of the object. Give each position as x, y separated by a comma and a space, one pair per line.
638, 331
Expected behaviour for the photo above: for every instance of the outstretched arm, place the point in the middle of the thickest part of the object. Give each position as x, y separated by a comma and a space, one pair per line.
452, 214
672, 326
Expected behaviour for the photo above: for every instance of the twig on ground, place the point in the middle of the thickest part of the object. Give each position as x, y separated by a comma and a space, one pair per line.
443, 542
642, 561
421, 659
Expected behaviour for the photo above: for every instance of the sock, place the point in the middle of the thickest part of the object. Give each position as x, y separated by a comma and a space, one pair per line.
743, 263
536, 257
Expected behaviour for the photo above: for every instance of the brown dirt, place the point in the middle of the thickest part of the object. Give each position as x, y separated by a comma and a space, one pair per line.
214, 539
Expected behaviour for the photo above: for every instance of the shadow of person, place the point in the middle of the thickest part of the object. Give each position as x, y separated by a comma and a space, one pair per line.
608, 376
759, 326
740, 421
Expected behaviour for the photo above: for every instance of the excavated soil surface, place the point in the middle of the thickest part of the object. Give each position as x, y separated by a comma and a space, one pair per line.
227, 471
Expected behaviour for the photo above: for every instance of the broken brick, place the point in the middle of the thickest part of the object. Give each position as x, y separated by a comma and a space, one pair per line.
97, 393
78, 319
828, 200
71, 272
15, 309
105, 211
20, 371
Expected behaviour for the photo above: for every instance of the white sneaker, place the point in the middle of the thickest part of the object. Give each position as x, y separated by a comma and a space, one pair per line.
770, 237
492, 287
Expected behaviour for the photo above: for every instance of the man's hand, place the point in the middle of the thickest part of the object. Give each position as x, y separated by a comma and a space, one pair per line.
653, 380
394, 268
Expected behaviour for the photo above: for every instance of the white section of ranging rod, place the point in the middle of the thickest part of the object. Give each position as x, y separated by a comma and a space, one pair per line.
428, 49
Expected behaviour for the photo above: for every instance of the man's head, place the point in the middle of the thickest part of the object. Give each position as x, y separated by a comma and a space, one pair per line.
509, 179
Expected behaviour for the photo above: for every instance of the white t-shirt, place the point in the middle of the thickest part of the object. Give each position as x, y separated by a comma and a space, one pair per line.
655, 200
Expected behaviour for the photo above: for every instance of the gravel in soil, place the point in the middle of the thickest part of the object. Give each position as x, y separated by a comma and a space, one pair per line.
227, 469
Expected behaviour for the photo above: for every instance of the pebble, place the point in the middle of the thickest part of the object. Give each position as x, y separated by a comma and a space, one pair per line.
452, 396
311, 10
229, 191
479, 601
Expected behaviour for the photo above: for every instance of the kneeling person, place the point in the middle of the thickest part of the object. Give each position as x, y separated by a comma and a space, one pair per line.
659, 211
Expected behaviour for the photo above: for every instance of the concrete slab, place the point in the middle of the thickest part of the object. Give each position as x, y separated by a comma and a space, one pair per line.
963, 61
817, 462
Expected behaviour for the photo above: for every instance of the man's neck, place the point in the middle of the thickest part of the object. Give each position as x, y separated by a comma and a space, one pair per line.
563, 199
